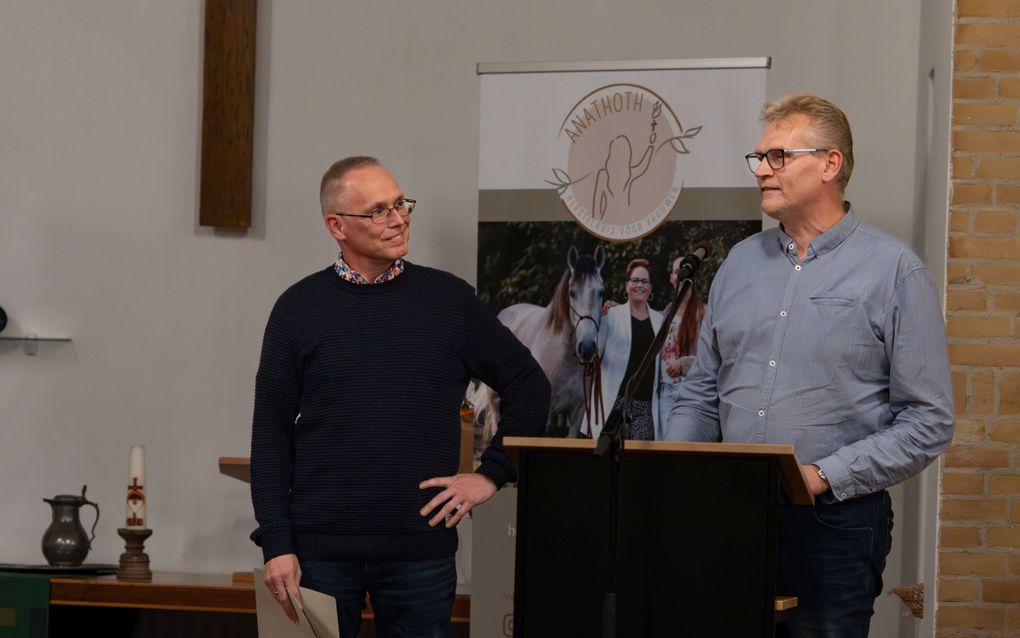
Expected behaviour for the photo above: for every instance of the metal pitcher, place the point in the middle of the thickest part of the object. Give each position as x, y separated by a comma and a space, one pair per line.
65, 543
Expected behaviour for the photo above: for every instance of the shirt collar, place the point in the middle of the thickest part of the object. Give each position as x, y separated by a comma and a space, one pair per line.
344, 270
825, 242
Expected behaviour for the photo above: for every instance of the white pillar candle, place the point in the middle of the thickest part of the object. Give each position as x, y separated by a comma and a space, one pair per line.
136, 489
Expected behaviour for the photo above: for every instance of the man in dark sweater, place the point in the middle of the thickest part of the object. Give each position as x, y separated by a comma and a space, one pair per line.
355, 435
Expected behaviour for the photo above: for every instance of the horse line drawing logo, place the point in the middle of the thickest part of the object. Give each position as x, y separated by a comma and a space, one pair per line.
622, 144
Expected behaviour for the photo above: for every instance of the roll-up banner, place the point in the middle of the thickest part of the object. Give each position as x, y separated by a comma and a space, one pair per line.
594, 177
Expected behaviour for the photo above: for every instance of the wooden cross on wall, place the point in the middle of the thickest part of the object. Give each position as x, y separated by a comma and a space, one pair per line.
228, 113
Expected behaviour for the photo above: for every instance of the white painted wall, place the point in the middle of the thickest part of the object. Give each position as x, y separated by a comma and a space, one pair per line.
935, 102
99, 131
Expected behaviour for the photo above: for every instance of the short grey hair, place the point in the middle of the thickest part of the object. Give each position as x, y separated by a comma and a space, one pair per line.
332, 185
829, 124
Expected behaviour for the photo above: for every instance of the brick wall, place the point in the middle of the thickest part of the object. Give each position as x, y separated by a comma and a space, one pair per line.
979, 546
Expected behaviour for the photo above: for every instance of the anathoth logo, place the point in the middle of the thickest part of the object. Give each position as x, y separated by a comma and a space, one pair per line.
623, 174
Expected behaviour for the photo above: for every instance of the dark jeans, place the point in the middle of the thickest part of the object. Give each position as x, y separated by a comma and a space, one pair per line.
412, 598
832, 557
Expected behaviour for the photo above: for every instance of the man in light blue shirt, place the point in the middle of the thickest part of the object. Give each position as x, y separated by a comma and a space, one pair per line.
826, 334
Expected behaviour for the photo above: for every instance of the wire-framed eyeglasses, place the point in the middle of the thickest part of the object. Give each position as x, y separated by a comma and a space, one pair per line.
639, 281
403, 207
776, 157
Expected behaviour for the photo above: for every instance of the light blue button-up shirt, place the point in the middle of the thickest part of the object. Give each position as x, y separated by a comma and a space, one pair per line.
843, 355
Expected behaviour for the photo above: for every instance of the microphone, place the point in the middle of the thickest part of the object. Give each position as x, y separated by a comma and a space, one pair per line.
691, 263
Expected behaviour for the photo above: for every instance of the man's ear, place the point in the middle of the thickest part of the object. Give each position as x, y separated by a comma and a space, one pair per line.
335, 226
833, 165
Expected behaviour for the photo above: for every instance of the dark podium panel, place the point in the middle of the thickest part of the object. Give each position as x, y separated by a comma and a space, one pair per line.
697, 537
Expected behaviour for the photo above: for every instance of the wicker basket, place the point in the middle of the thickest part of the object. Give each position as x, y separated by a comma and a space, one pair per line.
913, 597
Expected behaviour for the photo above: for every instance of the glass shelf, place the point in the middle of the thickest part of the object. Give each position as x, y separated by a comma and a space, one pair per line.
32, 341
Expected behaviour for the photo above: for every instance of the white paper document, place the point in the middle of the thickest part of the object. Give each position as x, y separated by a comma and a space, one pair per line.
316, 617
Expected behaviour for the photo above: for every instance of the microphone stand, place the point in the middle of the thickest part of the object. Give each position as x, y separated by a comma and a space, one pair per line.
610, 446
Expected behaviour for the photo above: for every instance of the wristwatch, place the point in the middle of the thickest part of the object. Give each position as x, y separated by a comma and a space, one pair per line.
822, 475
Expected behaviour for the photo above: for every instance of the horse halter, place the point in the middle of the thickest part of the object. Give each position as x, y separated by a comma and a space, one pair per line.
591, 376
581, 318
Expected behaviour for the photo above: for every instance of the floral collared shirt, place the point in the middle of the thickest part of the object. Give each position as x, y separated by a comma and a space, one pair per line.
347, 273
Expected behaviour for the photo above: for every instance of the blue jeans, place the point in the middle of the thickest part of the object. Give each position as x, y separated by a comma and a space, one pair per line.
411, 598
831, 556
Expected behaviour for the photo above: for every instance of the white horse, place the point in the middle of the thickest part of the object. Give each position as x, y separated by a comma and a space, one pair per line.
563, 338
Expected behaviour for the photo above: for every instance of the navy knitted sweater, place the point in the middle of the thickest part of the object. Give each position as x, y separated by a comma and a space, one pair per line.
357, 400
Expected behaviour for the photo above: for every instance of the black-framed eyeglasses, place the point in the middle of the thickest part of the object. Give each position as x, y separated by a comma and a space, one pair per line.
776, 157
404, 207
637, 281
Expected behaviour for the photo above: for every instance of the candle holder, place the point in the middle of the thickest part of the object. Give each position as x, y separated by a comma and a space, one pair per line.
134, 562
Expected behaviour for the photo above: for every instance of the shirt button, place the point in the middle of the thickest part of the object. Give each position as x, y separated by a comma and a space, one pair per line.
782, 313
772, 363
791, 246
842, 494
797, 267
761, 412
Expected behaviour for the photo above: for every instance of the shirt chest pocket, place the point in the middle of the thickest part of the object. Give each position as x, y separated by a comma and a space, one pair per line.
844, 337
832, 305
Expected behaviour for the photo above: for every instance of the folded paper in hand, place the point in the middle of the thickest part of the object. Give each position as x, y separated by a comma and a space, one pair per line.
316, 617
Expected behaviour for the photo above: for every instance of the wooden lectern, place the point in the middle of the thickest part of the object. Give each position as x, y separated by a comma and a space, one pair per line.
697, 543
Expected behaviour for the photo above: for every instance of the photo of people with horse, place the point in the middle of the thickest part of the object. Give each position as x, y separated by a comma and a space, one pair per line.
588, 309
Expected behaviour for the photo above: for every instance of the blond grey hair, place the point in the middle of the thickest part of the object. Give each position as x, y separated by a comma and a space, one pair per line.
331, 188
829, 126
